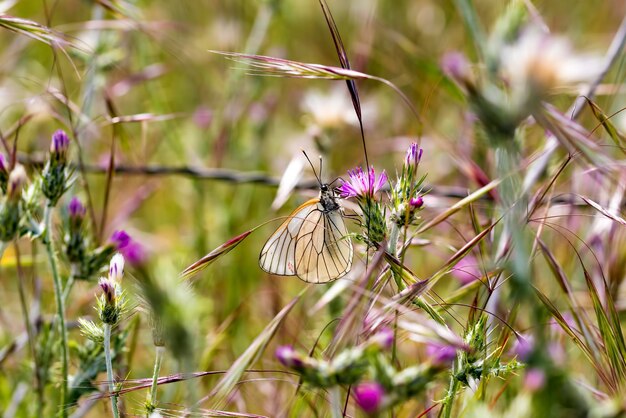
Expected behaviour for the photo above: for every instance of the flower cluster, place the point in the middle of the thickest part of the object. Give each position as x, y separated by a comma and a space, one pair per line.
406, 195
378, 385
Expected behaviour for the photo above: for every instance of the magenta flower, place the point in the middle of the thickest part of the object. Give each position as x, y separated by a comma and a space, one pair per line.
361, 184
369, 396
416, 202
134, 253
76, 208
3, 163
413, 155
289, 357
120, 239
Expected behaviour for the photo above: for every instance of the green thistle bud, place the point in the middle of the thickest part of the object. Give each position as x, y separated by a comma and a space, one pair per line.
74, 241
55, 174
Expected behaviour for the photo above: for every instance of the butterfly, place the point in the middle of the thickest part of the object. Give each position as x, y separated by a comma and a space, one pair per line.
313, 242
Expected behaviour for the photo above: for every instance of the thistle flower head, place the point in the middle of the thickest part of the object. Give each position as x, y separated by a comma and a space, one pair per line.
363, 184
59, 143
369, 396
108, 288
413, 155
76, 209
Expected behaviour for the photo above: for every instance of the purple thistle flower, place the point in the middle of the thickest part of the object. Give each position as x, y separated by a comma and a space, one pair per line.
413, 155
369, 396
361, 184
60, 142
289, 357
441, 355
120, 239
76, 208
3, 164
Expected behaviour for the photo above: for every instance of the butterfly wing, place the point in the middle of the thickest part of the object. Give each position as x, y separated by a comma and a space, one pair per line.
323, 250
278, 253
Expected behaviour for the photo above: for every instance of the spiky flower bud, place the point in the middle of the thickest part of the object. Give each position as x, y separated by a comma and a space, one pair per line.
59, 145
55, 174
111, 303
74, 242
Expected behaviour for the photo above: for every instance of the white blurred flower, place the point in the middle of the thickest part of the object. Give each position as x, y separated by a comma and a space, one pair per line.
333, 108
540, 62
329, 109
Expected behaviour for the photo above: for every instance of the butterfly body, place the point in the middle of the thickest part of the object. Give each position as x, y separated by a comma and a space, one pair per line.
312, 243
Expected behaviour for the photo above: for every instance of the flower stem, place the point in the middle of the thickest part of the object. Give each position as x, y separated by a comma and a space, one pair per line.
335, 402
49, 242
392, 248
448, 402
151, 403
107, 357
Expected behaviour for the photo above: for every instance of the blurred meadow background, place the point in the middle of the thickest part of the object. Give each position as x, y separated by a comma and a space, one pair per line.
505, 303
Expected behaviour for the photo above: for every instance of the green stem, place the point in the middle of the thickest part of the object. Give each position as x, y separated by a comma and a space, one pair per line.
152, 396
49, 242
448, 402
336, 402
107, 357
392, 248
29, 329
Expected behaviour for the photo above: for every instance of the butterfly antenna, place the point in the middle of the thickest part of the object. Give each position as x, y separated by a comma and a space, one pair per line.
313, 168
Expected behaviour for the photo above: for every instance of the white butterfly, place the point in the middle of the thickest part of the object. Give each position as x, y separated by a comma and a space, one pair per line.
313, 243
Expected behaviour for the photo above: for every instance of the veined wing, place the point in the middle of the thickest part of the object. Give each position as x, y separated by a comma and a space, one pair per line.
323, 250
278, 253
